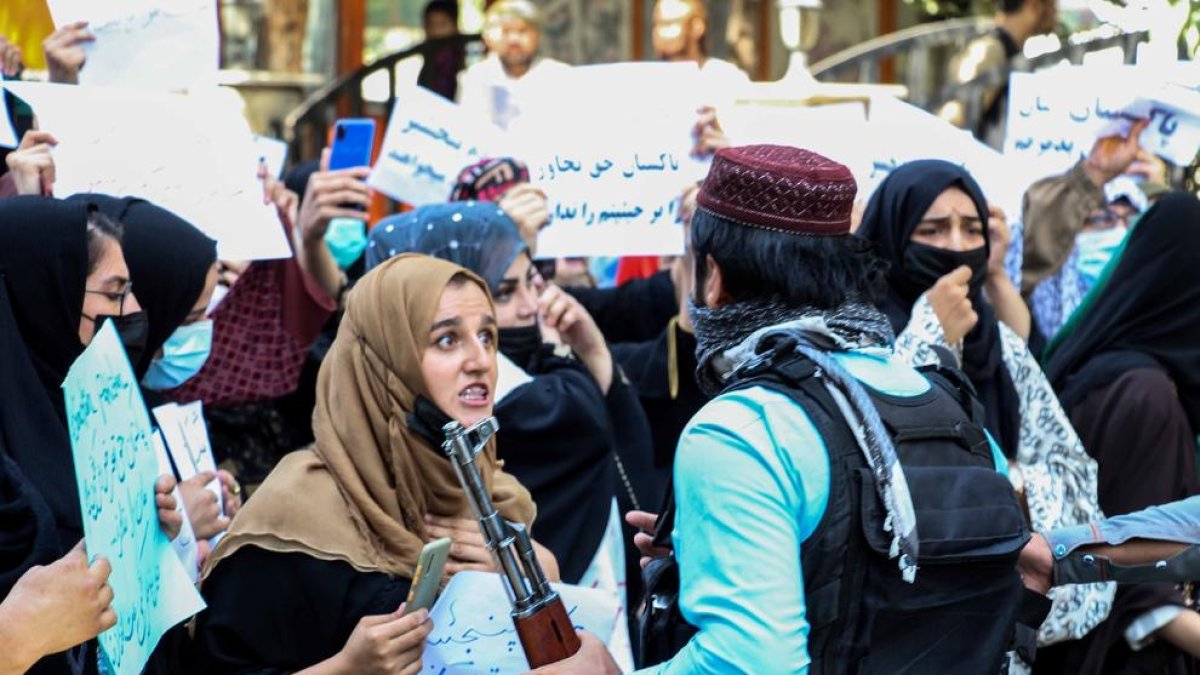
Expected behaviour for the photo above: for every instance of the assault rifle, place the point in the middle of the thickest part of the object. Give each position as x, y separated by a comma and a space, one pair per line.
543, 626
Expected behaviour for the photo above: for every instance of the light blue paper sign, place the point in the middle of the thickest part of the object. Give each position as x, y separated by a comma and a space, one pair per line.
115, 469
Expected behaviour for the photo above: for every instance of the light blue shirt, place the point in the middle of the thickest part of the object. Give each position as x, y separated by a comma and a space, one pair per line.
751, 484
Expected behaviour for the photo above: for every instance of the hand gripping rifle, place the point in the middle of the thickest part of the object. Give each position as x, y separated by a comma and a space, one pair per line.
546, 632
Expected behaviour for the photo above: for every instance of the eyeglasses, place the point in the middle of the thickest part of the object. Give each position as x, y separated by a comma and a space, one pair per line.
1108, 217
115, 296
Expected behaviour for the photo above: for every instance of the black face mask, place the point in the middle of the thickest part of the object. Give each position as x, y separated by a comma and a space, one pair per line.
134, 330
520, 344
924, 265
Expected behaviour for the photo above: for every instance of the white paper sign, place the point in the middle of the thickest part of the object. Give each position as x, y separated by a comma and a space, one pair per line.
273, 152
473, 632
1055, 116
509, 377
187, 442
184, 153
8, 133
151, 44
899, 133
615, 172
184, 543
1174, 129
429, 140
807, 127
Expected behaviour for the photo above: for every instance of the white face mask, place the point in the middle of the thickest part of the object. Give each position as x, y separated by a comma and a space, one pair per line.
183, 355
1096, 249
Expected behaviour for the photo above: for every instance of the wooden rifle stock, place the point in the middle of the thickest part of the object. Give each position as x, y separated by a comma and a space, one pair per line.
547, 636
543, 625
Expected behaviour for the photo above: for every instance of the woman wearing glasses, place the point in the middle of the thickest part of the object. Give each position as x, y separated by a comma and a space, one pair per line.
62, 275
1057, 296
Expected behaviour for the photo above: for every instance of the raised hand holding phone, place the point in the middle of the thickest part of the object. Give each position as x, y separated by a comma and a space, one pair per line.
353, 142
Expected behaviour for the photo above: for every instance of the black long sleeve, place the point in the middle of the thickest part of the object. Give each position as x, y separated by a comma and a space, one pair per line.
632, 312
282, 612
555, 438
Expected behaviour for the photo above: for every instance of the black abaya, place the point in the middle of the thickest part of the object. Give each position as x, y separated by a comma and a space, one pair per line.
1128, 373
648, 365
891, 217
558, 436
43, 267
43, 270
273, 613
1140, 437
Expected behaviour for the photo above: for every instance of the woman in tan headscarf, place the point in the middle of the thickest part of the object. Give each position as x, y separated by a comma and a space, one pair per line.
316, 565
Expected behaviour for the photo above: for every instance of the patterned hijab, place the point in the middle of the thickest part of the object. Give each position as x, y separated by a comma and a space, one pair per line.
488, 179
476, 235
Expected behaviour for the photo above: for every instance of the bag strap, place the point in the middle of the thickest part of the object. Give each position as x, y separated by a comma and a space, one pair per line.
954, 380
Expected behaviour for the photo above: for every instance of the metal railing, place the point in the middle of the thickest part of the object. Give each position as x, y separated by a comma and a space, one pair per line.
926, 88
864, 59
306, 128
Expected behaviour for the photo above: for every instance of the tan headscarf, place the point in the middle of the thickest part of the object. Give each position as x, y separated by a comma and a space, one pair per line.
360, 493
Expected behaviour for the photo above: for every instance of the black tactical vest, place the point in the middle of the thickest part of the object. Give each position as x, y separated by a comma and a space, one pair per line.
959, 615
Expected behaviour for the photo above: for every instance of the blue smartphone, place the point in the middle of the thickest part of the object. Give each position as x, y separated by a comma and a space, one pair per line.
353, 141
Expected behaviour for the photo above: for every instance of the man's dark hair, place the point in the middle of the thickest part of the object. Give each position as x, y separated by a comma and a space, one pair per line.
100, 230
1010, 6
447, 7
821, 272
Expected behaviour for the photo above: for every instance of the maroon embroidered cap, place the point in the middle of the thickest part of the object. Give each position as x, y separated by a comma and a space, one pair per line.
779, 188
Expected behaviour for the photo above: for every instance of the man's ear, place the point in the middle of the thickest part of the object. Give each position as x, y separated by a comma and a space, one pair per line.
714, 291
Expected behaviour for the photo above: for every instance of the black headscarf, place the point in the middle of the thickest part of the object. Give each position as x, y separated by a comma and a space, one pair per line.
43, 270
27, 533
1146, 314
891, 217
168, 261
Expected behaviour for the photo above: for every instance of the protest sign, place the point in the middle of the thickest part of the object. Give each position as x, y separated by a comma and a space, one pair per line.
1055, 116
115, 468
1174, 129
615, 174
186, 437
899, 132
809, 127
272, 152
151, 44
429, 140
473, 632
187, 154
184, 543
8, 133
